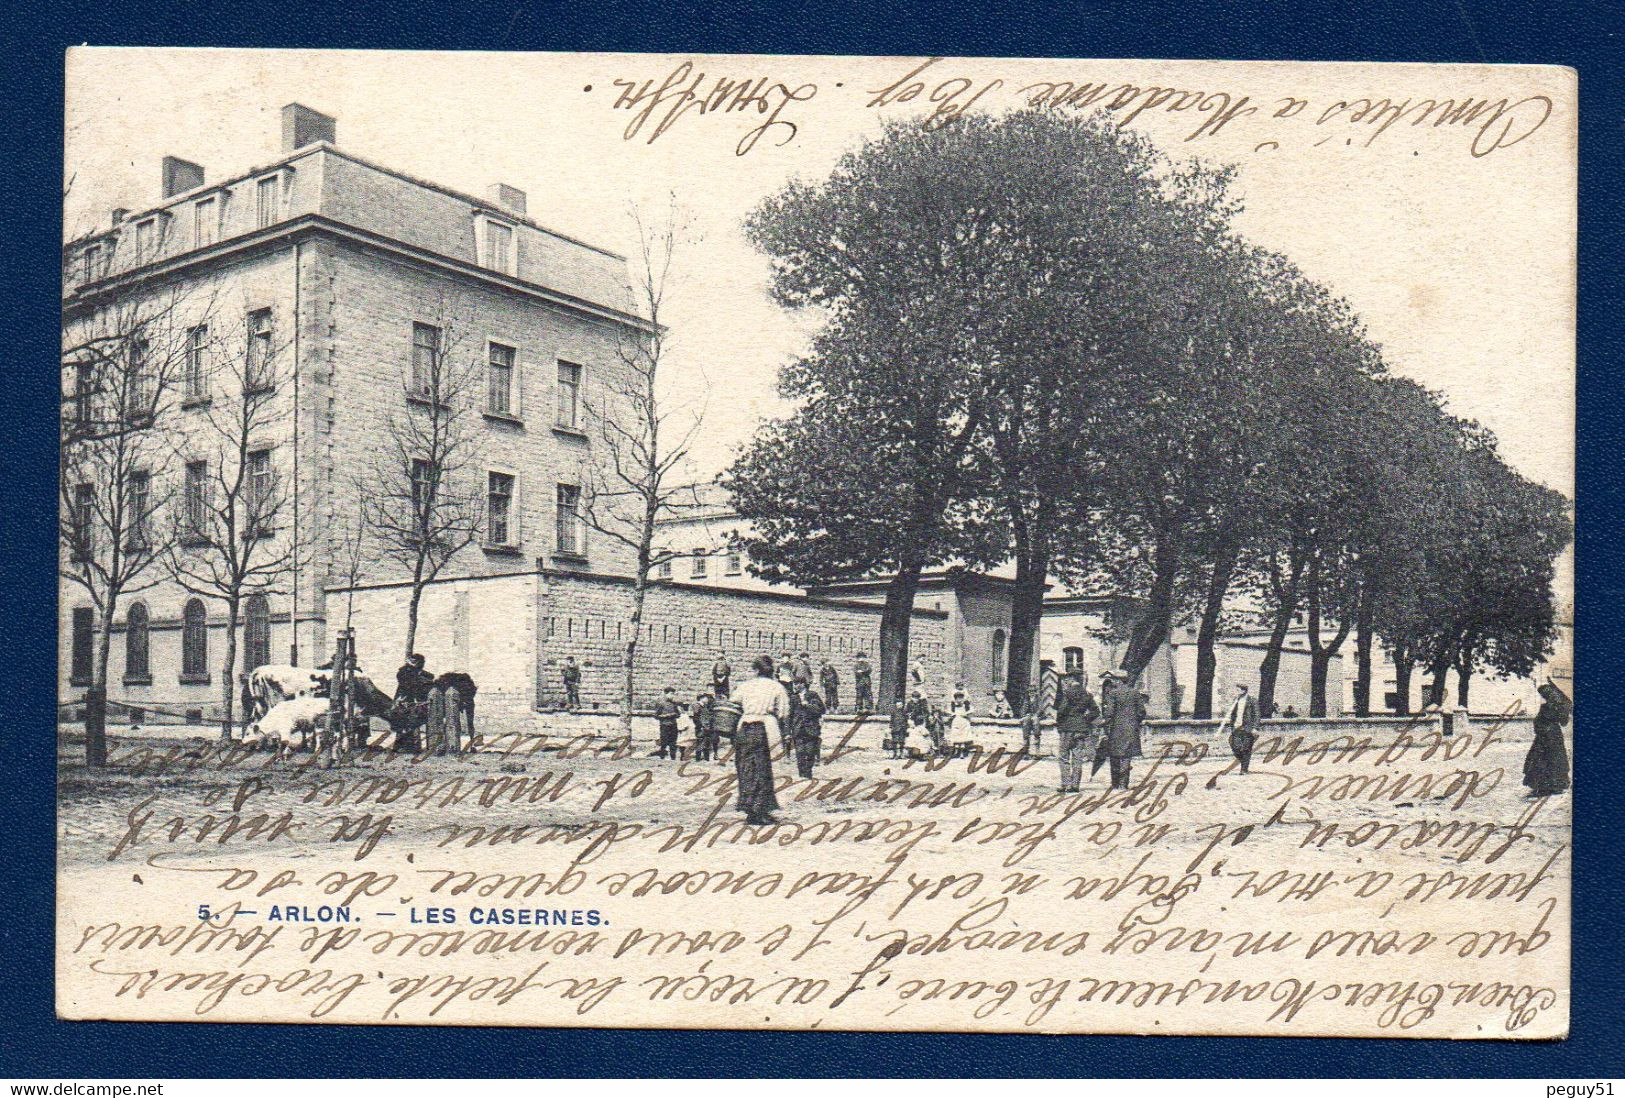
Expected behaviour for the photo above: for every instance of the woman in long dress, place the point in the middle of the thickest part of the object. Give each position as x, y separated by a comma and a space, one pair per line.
765, 707
1546, 767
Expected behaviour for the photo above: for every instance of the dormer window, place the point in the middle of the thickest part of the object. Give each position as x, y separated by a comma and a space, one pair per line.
148, 238
93, 262
496, 241
205, 221
271, 197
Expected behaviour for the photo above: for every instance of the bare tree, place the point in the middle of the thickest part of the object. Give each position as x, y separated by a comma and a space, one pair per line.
120, 365
637, 481
422, 502
224, 544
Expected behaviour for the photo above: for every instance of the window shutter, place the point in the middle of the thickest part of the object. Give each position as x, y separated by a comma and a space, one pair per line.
521, 371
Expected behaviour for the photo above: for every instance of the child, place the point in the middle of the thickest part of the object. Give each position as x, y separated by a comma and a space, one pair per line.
705, 735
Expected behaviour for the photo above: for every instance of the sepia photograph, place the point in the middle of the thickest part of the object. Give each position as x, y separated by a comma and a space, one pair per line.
730, 542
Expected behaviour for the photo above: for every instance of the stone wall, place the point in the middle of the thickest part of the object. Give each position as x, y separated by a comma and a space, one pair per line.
512, 632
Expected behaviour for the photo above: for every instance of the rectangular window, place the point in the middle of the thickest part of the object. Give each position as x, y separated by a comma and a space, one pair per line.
266, 201
735, 563
91, 258
499, 509
425, 355
697, 566
84, 390
257, 369
663, 569
257, 494
84, 517
146, 236
498, 247
571, 535
422, 489
569, 412
499, 382
193, 362
83, 630
140, 509
197, 499
138, 394
205, 222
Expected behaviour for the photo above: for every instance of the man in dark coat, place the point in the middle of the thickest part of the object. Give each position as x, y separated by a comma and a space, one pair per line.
667, 712
572, 683
863, 683
829, 680
1122, 714
721, 676
1075, 716
1241, 721
801, 670
705, 733
412, 683
806, 731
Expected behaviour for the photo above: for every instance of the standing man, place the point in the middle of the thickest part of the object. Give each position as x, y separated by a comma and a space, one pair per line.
666, 712
250, 704
1122, 715
764, 705
1075, 716
863, 682
801, 671
830, 680
721, 673
786, 673
1242, 722
808, 729
572, 683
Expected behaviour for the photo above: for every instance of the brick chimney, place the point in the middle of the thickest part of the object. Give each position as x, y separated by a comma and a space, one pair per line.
509, 198
302, 126
119, 214
180, 175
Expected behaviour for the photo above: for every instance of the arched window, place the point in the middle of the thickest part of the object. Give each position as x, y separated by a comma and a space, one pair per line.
999, 643
135, 642
194, 640
256, 632
1071, 659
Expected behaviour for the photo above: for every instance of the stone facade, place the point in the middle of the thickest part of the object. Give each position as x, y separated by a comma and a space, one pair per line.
346, 256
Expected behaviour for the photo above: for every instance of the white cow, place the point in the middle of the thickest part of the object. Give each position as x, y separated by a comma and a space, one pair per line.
289, 722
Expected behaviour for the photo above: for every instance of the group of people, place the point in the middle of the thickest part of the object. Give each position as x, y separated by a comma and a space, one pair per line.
1108, 731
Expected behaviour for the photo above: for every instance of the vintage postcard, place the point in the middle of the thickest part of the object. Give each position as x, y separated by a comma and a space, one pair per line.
850, 543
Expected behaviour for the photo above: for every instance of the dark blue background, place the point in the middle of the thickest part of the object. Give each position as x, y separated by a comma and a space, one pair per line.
34, 1045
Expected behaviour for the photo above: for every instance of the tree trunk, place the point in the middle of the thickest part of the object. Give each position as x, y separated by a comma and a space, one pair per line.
1362, 651
895, 618
1402, 684
629, 661
96, 697
1439, 670
1319, 663
1151, 628
1207, 634
412, 620
1270, 667
1464, 682
1026, 614
228, 669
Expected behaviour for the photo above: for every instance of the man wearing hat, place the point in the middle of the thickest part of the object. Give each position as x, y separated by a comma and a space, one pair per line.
1075, 714
1122, 713
1241, 721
